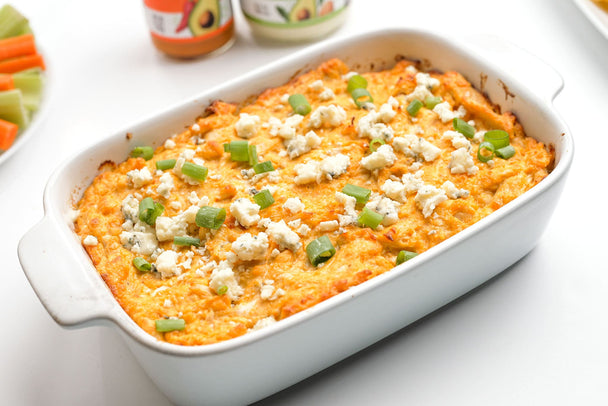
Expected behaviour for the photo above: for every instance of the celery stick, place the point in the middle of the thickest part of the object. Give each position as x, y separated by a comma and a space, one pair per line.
11, 22
25, 29
12, 108
30, 84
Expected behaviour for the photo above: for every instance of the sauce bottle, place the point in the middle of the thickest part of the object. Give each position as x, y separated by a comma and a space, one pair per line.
190, 28
294, 20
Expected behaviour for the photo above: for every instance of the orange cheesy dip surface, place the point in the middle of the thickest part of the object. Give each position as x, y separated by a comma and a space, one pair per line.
189, 276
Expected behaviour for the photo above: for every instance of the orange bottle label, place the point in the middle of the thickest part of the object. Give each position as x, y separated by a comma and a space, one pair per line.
187, 20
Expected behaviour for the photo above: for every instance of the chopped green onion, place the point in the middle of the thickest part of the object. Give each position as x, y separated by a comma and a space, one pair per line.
370, 218
414, 106
431, 101
404, 256
498, 138
320, 250
463, 127
299, 104
165, 164
488, 146
222, 290
253, 155
195, 171
356, 82
226, 147
149, 210
361, 96
374, 142
263, 199
360, 193
186, 240
505, 152
141, 264
167, 325
210, 217
239, 150
143, 152
262, 167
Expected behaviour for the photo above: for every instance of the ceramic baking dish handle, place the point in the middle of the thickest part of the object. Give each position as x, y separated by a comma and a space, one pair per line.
69, 292
529, 69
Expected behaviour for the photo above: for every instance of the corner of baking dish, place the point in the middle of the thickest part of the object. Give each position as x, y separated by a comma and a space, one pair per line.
65, 181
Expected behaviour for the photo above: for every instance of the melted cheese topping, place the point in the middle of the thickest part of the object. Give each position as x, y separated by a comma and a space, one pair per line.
425, 180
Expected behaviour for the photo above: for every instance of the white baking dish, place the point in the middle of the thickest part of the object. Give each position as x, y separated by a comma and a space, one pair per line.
258, 364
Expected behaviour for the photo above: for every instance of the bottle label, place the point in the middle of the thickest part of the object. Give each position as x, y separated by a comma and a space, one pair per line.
184, 20
291, 13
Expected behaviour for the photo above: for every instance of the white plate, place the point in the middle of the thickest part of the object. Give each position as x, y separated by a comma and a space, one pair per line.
596, 15
37, 118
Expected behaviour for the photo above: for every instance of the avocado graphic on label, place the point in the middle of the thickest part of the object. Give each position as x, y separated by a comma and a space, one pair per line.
303, 10
205, 17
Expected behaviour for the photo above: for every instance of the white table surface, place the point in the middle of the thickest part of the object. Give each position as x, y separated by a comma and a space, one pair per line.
536, 335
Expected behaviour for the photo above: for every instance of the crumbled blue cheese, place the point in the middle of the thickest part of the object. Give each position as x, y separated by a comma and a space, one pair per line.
286, 129
168, 228
394, 190
412, 181
325, 93
314, 171
330, 225
389, 208
374, 124
247, 125
250, 248
166, 185
302, 144
445, 113
139, 177
303, 230
245, 211
284, 236
479, 136
334, 166
386, 112
269, 292
383, 156
136, 236
425, 84
263, 323
458, 140
412, 145
331, 115
169, 144
428, 197
90, 240
452, 191
223, 275
462, 162
166, 264
294, 205
350, 213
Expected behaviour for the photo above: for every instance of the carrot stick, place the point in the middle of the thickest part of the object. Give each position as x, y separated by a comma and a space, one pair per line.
8, 133
6, 82
20, 63
17, 46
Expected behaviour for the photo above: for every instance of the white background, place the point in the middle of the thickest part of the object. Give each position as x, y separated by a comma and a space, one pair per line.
536, 335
